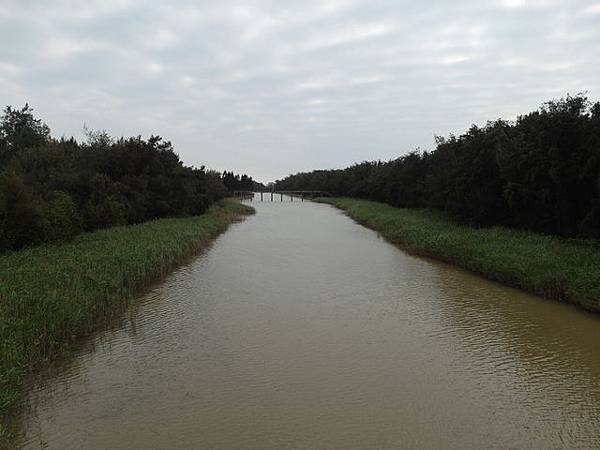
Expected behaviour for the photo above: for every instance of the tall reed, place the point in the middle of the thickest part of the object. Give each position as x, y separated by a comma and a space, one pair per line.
52, 295
552, 267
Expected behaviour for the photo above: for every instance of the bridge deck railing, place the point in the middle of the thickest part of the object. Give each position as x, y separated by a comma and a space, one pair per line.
245, 195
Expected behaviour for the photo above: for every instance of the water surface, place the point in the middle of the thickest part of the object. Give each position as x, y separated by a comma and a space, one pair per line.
302, 329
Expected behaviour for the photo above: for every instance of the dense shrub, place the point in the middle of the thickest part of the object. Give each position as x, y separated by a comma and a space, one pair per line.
61, 218
21, 217
541, 172
51, 189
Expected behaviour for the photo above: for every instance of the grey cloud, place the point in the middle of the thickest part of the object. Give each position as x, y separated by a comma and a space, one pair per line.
272, 87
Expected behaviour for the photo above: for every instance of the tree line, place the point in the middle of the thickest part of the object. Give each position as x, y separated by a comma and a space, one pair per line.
242, 182
540, 172
52, 189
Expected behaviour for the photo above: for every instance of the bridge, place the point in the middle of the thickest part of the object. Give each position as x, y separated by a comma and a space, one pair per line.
249, 195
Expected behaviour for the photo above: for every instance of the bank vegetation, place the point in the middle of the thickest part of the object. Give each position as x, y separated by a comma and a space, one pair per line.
53, 294
52, 189
540, 172
83, 227
550, 266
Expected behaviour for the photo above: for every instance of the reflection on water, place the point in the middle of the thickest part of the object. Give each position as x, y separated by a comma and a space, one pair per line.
301, 329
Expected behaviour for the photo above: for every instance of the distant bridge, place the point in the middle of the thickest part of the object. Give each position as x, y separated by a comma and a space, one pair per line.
249, 195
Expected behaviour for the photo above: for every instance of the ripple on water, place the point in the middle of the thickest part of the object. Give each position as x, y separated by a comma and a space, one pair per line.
301, 329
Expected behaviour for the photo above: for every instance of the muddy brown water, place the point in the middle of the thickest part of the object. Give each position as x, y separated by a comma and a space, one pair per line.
301, 329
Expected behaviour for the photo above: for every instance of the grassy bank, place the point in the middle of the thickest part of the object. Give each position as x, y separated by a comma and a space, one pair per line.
554, 268
53, 294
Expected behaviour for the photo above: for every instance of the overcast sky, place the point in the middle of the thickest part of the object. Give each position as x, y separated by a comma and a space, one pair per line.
273, 87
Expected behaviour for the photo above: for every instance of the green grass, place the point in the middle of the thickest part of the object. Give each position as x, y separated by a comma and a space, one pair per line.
52, 295
554, 268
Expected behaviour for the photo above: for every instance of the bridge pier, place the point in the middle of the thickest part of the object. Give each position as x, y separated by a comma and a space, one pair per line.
298, 194
261, 196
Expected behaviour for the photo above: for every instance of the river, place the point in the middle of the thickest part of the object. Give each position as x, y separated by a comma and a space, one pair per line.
301, 329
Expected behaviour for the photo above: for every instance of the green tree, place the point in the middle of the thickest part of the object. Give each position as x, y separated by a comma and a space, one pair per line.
21, 218
61, 218
19, 129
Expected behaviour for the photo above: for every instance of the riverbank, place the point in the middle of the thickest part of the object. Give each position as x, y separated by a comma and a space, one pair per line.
52, 295
554, 268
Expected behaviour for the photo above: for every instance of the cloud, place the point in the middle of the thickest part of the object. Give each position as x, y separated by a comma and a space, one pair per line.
592, 9
274, 86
